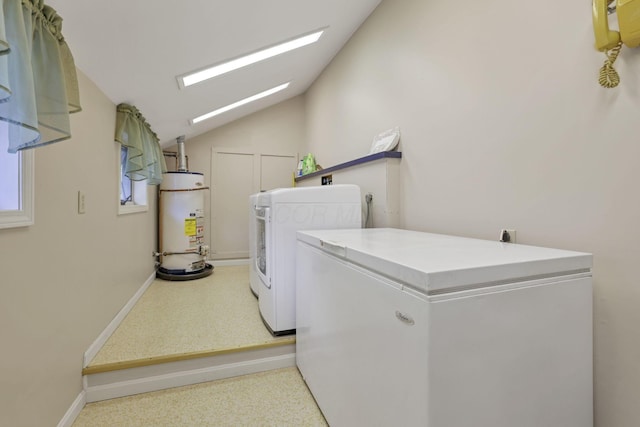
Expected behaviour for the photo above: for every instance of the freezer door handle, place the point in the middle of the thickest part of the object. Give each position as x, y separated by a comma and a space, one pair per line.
405, 318
334, 248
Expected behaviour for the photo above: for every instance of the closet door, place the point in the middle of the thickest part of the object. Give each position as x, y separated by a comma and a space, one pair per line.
236, 174
233, 181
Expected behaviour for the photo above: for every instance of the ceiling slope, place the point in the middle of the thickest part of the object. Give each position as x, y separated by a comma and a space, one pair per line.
133, 51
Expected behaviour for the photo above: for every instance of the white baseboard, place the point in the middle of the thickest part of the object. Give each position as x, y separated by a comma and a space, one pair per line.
186, 377
222, 262
111, 327
73, 411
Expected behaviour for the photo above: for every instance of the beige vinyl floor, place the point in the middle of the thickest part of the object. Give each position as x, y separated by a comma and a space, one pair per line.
214, 313
217, 312
273, 398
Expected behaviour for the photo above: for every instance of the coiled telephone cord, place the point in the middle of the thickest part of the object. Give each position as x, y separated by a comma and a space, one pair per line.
609, 77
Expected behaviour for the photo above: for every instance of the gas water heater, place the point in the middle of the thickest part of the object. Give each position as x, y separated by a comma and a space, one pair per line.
181, 221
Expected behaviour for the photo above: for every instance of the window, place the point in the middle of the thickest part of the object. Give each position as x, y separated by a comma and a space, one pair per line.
16, 184
140, 159
133, 194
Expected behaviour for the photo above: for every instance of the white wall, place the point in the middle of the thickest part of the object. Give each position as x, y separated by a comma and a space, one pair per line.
504, 126
63, 279
278, 129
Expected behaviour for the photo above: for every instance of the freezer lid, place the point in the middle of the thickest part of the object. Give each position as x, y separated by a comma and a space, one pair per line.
436, 263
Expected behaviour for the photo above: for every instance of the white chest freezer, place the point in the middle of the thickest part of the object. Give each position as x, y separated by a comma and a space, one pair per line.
396, 327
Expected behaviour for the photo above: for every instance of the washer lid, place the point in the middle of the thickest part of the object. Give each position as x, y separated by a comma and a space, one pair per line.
341, 193
435, 263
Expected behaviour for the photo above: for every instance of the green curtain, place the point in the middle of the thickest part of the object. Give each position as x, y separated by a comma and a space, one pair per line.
38, 81
144, 155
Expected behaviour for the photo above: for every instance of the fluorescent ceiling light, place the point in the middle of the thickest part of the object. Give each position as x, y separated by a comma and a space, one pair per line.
240, 103
252, 58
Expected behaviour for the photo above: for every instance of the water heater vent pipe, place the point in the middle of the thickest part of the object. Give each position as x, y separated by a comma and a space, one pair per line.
182, 158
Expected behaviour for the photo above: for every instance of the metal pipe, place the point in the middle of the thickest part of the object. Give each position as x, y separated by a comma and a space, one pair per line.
194, 252
200, 250
174, 155
182, 158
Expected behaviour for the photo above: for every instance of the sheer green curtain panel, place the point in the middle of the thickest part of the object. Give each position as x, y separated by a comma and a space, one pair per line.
144, 155
38, 81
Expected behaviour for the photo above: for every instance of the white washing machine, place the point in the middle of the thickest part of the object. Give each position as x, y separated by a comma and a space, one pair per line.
254, 281
397, 327
279, 215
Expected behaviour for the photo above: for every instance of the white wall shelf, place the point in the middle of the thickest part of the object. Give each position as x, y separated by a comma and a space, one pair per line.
352, 163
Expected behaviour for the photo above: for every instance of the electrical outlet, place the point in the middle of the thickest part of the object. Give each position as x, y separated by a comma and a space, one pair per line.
508, 235
81, 207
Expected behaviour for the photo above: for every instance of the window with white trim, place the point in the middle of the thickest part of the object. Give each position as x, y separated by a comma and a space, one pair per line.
16, 184
133, 194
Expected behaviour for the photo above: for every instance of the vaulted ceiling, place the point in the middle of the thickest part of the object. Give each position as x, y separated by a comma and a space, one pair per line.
134, 50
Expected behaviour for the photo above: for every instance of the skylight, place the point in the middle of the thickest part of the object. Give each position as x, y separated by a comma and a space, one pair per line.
239, 103
216, 70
